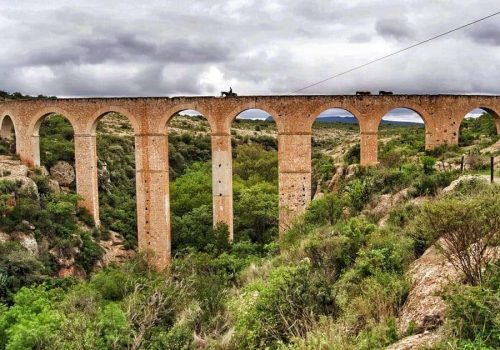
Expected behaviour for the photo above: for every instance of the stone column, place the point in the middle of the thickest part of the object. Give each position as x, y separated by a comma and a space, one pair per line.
222, 181
35, 151
368, 148
153, 208
294, 167
86, 174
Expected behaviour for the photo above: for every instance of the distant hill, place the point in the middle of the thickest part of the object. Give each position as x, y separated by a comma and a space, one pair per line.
352, 120
6, 96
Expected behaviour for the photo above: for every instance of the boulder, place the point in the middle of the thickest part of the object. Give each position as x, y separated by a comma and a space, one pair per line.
351, 171
114, 250
417, 341
424, 308
4, 237
384, 203
72, 271
54, 186
464, 178
27, 240
12, 167
27, 185
335, 180
63, 173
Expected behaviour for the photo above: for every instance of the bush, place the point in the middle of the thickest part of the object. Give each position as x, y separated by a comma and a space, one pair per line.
473, 311
281, 307
325, 210
467, 227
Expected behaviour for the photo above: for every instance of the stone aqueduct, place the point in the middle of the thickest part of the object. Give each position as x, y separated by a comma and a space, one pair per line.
294, 116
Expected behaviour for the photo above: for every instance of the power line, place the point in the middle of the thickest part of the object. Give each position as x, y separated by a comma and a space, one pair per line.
395, 53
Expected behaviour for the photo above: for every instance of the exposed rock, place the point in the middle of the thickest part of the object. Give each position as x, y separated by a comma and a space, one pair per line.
54, 186
12, 167
337, 176
27, 240
424, 309
63, 173
27, 185
465, 178
72, 271
351, 171
4, 237
417, 341
103, 175
384, 203
114, 251
28, 225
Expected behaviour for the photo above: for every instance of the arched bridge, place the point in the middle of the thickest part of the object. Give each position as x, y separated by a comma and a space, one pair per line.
294, 117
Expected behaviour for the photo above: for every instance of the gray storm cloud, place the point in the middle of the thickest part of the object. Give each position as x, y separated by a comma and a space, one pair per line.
117, 48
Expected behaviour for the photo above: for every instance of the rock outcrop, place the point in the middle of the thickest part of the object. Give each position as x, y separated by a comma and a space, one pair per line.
424, 308
114, 251
417, 341
63, 173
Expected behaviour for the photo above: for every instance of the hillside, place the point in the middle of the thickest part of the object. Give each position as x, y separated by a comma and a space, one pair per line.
401, 255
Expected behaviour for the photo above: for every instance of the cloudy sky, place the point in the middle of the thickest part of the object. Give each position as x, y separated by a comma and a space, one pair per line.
127, 48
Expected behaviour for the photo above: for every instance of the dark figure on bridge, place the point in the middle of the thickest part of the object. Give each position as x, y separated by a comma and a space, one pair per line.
228, 93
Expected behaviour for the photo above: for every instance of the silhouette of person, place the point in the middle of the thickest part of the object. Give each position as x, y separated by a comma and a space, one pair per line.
230, 90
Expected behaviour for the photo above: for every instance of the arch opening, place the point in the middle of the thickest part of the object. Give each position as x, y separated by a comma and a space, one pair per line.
116, 175
335, 144
7, 136
254, 145
56, 148
190, 181
478, 141
479, 126
401, 137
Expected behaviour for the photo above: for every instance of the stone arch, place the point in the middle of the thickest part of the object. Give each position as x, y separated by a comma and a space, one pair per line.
7, 126
328, 106
250, 106
88, 170
177, 164
172, 112
34, 129
401, 114
423, 114
260, 155
480, 109
90, 127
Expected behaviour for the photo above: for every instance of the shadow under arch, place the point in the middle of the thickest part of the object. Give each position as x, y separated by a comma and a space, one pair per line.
254, 145
402, 134
190, 179
478, 122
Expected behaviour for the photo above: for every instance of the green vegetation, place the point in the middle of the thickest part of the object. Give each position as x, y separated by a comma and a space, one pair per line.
336, 280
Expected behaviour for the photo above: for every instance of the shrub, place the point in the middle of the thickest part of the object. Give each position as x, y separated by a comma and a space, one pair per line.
113, 284
325, 210
473, 311
467, 227
284, 305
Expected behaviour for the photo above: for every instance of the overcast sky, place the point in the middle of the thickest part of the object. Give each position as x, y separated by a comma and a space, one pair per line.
127, 48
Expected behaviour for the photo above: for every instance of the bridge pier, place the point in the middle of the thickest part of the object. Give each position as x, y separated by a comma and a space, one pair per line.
86, 174
368, 148
153, 203
294, 168
222, 181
